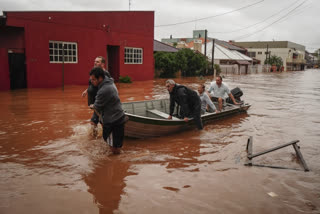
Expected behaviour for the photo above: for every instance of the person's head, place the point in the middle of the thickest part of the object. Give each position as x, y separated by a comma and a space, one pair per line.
96, 75
219, 80
100, 62
170, 85
201, 88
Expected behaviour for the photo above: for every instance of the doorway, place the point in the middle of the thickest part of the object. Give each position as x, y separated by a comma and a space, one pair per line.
17, 70
114, 61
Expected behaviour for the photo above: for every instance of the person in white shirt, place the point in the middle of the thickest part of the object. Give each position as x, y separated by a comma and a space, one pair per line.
219, 90
206, 103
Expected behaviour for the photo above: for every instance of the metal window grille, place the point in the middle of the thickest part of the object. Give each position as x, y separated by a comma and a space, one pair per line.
63, 52
133, 55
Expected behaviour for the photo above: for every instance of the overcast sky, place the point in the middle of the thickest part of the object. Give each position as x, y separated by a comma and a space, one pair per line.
240, 20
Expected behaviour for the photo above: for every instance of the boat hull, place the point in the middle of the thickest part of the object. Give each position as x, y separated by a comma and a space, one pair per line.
147, 127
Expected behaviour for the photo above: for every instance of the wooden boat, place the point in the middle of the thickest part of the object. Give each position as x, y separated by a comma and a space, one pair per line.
149, 118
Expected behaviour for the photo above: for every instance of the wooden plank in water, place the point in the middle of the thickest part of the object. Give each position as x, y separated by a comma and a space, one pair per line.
249, 150
272, 149
296, 147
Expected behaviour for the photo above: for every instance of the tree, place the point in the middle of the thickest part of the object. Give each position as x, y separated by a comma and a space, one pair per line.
191, 63
274, 60
166, 62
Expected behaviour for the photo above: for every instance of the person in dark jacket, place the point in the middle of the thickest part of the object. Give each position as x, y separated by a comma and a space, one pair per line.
108, 104
187, 99
91, 91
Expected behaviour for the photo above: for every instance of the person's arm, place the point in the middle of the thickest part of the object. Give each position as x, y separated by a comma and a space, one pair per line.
84, 93
210, 89
209, 102
101, 99
233, 100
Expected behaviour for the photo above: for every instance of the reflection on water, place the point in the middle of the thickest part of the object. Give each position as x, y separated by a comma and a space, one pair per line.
50, 163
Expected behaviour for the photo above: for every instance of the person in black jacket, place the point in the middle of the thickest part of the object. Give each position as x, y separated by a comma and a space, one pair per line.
108, 104
187, 99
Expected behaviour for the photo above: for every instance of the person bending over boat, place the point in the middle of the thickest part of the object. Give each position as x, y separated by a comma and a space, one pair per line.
187, 99
219, 90
206, 103
91, 91
108, 103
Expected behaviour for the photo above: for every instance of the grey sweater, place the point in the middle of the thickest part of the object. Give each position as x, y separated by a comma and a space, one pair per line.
108, 101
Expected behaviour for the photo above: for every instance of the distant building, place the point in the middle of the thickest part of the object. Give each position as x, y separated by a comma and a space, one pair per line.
197, 43
47, 49
292, 54
162, 47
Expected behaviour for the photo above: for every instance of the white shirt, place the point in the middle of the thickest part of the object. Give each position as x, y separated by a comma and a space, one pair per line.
218, 91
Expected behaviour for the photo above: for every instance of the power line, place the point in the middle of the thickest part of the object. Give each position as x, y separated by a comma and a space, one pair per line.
269, 17
287, 14
209, 17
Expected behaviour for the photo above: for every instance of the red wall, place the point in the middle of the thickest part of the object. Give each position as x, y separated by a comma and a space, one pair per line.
4, 70
92, 31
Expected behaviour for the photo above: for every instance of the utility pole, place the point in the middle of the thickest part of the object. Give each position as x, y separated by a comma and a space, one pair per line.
63, 67
212, 63
129, 5
267, 53
205, 47
205, 43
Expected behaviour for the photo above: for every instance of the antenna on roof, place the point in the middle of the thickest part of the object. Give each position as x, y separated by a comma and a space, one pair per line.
129, 5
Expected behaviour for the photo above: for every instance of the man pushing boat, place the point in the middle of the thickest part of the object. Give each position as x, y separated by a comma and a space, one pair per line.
187, 99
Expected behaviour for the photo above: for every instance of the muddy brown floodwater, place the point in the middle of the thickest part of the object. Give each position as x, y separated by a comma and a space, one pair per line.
49, 163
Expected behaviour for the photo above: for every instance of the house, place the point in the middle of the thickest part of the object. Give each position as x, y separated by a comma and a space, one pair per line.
292, 54
163, 47
225, 53
49, 49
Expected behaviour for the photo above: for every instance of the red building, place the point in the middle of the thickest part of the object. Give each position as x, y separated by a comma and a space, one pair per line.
49, 49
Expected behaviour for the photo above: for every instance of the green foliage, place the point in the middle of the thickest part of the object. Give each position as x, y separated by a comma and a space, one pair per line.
191, 63
216, 68
274, 60
125, 79
185, 60
166, 62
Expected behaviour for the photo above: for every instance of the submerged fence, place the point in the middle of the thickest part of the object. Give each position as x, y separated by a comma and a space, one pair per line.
234, 69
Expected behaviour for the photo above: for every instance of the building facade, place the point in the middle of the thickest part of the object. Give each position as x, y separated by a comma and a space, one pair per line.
292, 54
50, 49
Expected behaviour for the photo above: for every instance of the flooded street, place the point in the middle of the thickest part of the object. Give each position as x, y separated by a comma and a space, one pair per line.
50, 163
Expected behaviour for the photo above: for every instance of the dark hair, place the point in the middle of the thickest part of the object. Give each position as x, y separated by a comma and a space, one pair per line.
103, 60
203, 86
97, 72
220, 77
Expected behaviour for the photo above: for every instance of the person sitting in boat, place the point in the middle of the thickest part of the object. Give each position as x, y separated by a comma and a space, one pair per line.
206, 103
219, 90
187, 99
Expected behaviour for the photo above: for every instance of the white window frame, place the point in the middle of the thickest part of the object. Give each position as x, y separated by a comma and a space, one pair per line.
133, 55
56, 54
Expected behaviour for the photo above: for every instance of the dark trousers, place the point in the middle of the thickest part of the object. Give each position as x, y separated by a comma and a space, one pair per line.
196, 114
117, 130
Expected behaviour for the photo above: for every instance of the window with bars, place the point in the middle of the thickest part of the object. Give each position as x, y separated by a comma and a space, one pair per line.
133, 55
60, 52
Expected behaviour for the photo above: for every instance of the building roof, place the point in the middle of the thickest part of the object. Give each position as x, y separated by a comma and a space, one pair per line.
222, 53
162, 47
271, 44
229, 45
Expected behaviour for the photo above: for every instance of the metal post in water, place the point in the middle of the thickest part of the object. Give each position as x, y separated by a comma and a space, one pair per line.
62, 66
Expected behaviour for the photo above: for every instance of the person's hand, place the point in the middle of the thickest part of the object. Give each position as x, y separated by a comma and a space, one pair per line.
185, 119
91, 106
170, 117
84, 93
